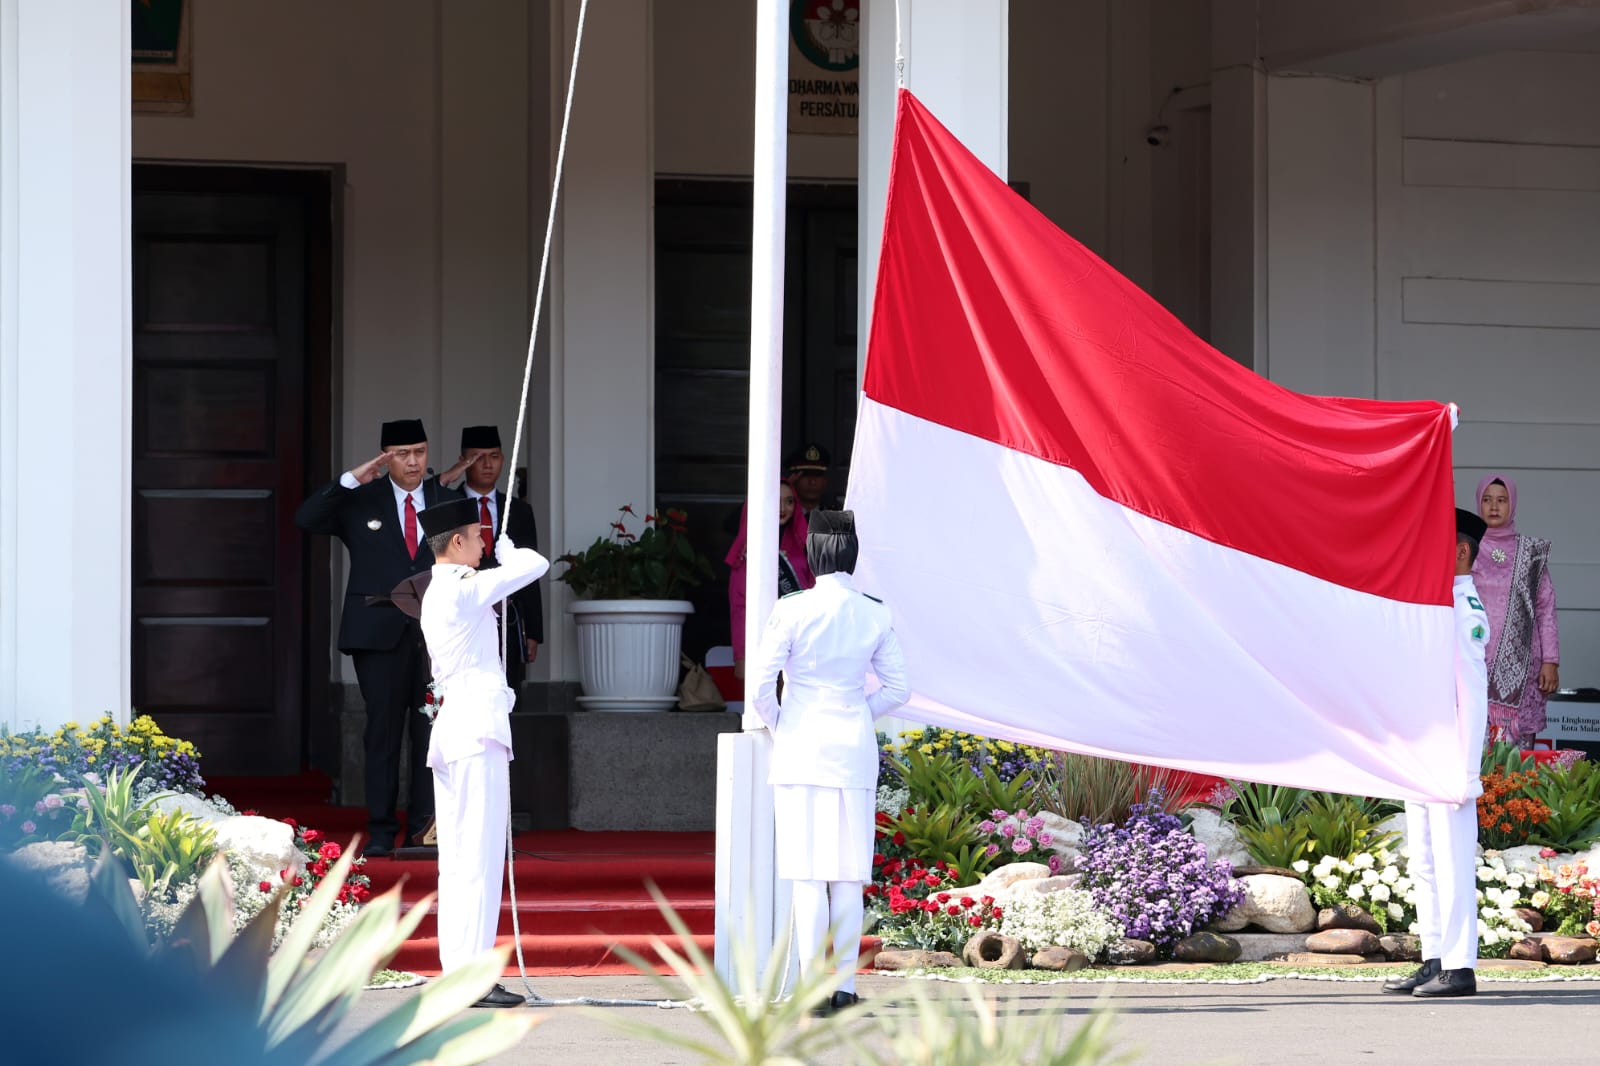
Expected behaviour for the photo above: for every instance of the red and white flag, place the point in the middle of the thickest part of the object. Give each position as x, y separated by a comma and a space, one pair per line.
1098, 533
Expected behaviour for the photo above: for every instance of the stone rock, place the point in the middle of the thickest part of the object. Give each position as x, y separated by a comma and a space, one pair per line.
266, 844
63, 867
1248, 870
1534, 919
1526, 857
1066, 835
1568, 950
992, 951
1046, 885
1274, 903
1528, 951
1002, 881
896, 959
193, 806
1303, 958
1056, 958
1344, 942
1206, 947
1219, 836
1130, 952
1348, 916
1257, 947
1401, 947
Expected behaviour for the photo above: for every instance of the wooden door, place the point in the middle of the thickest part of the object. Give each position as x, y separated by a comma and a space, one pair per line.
220, 344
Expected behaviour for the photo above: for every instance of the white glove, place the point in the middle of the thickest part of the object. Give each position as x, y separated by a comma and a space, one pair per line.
502, 548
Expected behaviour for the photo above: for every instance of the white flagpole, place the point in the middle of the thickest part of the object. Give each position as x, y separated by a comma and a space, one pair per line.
748, 900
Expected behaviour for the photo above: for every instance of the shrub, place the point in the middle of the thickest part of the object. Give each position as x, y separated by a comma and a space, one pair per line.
1372, 880
1083, 788
1067, 918
1509, 811
660, 563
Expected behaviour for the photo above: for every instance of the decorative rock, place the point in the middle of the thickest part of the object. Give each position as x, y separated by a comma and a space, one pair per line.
1528, 951
1046, 885
1568, 950
1274, 903
1066, 835
1002, 882
1534, 919
991, 951
267, 845
1056, 958
193, 806
1401, 947
1130, 952
895, 959
1301, 958
1253, 871
1348, 916
63, 867
1257, 947
1344, 942
1219, 837
1206, 947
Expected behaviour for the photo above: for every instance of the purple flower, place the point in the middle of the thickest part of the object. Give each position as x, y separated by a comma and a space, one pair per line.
998, 813
1022, 845
28, 827
992, 850
6, 810
1008, 830
39, 808
1022, 816
1035, 824
986, 826
52, 801
1055, 865
1045, 840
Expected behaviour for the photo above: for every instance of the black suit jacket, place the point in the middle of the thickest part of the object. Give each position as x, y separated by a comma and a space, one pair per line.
368, 522
524, 533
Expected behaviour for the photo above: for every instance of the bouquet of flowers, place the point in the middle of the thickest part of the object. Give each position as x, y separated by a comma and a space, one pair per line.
917, 905
1066, 918
1018, 836
1568, 897
1372, 880
1152, 877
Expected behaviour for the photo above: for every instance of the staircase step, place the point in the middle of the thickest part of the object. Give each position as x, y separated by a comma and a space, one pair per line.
547, 917
582, 878
567, 954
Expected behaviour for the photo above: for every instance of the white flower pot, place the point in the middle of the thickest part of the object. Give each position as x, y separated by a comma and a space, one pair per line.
628, 653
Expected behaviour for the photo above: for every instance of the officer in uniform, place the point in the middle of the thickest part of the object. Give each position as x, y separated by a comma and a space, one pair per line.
825, 748
807, 471
470, 752
1443, 837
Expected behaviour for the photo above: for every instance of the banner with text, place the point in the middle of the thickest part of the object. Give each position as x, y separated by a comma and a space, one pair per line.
824, 66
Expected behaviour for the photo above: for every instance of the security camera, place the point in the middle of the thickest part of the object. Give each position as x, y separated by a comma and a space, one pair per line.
1158, 136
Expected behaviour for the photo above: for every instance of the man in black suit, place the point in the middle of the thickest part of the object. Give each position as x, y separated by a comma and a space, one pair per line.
375, 516
482, 461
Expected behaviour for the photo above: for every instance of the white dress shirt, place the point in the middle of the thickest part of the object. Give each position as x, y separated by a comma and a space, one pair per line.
494, 510
348, 480
823, 641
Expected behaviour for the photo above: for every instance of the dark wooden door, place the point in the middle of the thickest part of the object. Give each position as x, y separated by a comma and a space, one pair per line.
220, 344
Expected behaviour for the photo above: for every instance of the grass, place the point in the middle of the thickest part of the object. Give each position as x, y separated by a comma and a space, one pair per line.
1234, 973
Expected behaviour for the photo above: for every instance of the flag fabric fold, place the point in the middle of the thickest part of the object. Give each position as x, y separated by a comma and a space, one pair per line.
1145, 550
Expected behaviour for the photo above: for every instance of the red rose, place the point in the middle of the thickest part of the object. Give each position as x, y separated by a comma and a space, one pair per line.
883, 818
952, 910
899, 838
930, 906
941, 865
878, 860
298, 881
330, 850
997, 913
319, 868
974, 921
944, 897
283, 875
967, 901
311, 836
988, 900
870, 890
933, 879
291, 823
266, 886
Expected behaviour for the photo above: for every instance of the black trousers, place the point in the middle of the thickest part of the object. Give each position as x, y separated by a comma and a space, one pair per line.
392, 686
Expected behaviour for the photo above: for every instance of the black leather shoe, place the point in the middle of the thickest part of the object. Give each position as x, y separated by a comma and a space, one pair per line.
1404, 985
822, 1009
841, 1000
1449, 983
499, 997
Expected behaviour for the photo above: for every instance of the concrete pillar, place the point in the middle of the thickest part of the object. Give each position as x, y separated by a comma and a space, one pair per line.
957, 62
66, 364
1238, 183
602, 358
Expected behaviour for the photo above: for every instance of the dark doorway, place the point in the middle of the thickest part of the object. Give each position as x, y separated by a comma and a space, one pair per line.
703, 356
232, 282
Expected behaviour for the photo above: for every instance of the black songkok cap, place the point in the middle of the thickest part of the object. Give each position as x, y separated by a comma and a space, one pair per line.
480, 437
447, 516
810, 457
1470, 525
825, 522
405, 431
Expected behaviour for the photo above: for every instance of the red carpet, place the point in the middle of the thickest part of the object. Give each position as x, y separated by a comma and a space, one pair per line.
578, 894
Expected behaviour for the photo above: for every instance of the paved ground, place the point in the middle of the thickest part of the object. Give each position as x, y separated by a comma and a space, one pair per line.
1278, 1021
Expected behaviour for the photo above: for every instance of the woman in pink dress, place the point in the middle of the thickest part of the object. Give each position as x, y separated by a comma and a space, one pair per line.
1513, 577
794, 573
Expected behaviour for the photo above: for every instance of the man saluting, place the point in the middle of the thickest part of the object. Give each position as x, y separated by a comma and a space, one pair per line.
470, 752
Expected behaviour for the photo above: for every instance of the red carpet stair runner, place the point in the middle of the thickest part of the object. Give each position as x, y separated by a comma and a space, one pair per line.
579, 894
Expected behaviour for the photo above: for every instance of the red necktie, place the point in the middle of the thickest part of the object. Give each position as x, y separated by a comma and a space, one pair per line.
486, 526
411, 526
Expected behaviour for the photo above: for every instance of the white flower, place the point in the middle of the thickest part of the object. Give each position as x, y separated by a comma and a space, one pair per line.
1356, 891
1369, 877
1380, 893
1396, 911
1390, 875
1485, 874
1364, 861
1514, 880
1331, 883
1301, 866
1541, 900
1413, 928
1345, 867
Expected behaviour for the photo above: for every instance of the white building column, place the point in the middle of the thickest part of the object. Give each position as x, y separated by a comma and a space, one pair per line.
602, 301
66, 364
1238, 184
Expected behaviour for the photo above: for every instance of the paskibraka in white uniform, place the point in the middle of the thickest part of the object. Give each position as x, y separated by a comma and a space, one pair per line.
1443, 837
825, 746
470, 750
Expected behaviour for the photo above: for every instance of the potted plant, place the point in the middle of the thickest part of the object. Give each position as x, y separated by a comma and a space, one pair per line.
630, 610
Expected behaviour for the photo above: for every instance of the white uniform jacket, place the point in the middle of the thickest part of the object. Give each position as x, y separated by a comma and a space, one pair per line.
823, 640
458, 622
1472, 676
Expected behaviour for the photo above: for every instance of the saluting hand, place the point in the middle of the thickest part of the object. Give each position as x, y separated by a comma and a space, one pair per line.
371, 468
468, 457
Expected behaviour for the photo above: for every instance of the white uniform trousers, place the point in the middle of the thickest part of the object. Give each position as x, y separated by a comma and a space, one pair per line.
472, 803
1443, 839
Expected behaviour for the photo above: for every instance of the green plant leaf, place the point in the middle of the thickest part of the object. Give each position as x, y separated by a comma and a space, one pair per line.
292, 952
443, 998
339, 974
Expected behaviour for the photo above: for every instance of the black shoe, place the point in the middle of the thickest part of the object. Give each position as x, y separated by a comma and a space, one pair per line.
374, 849
822, 1009
841, 1000
499, 997
1449, 983
1404, 985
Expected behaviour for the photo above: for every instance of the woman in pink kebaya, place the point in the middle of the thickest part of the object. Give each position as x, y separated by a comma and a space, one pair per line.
1513, 577
794, 573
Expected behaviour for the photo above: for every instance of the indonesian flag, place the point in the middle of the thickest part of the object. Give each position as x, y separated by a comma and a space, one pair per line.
1099, 534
